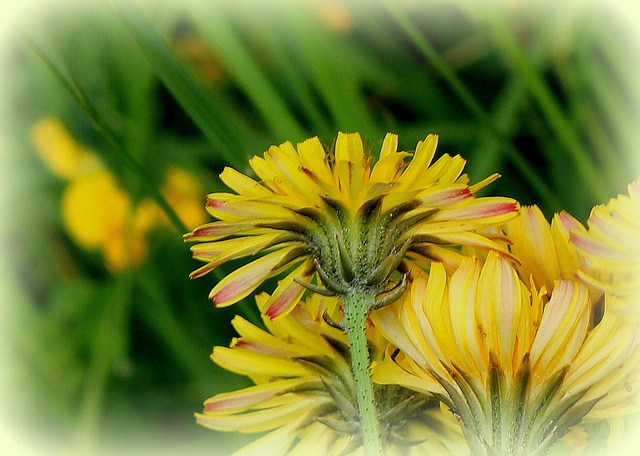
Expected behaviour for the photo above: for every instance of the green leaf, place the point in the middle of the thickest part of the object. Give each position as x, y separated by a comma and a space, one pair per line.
333, 77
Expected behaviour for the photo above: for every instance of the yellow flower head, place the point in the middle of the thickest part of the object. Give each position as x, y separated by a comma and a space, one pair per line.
610, 251
182, 191
518, 372
304, 392
335, 15
96, 212
59, 151
543, 250
342, 217
99, 215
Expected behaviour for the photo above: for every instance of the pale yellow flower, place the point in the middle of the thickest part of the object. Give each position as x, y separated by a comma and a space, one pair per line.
98, 215
182, 192
610, 251
518, 370
59, 151
334, 14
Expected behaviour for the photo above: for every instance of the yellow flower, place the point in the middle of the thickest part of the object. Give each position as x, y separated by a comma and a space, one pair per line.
98, 215
59, 151
182, 192
342, 217
518, 371
543, 250
610, 251
335, 15
304, 393
96, 212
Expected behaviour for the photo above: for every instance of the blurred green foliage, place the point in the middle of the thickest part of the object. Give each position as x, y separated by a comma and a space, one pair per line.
547, 96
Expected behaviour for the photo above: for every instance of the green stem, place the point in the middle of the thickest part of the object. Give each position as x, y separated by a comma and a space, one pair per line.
356, 309
109, 344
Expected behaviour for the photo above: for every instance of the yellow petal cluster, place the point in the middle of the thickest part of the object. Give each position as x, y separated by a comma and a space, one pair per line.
543, 250
505, 360
341, 218
567, 250
96, 212
304, 393
610, 251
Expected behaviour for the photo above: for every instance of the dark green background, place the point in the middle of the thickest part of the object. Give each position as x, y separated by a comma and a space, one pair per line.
546, 95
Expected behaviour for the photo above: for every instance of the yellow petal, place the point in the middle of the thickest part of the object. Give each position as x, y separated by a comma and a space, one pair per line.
246, 362
475, 188
349, 163
490, 210
562, 329
533, 245
276, 346
414, 174
263, 420
389, 145
288, 292
243, 185
389, 373
241, 282
275, 443
464, 336
229, 207
245, 398
291, 179
314, 161
217, 230
451, 173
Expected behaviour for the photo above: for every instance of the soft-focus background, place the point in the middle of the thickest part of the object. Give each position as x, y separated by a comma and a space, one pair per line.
105, 340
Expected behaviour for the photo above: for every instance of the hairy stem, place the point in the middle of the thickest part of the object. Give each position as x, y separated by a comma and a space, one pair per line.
356, 308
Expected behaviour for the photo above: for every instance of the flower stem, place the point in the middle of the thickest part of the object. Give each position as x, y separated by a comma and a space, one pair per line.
356, 309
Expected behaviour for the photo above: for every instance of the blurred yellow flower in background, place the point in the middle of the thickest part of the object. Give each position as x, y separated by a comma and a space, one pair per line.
182, 192
59, 151
335, 15
96, 212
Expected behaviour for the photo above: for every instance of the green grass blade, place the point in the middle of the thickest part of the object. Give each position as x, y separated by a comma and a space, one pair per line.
282, 58
533, 177
107, 347
156, 312
525, 68
505, 113
332, 76
198, 104
216, 29
55, 64
620, 116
